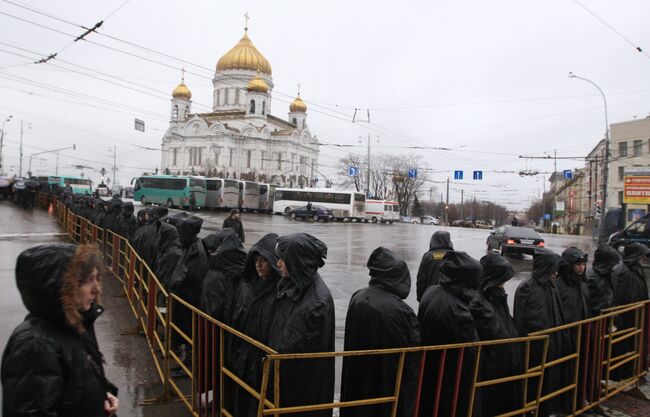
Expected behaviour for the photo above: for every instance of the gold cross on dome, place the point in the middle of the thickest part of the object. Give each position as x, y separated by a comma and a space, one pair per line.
298, 88
183, 74
246, 18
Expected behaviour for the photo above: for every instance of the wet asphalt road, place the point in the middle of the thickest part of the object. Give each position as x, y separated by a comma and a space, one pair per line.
128, 362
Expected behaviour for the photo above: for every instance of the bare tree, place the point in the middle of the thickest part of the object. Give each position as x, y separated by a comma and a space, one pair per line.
344, 164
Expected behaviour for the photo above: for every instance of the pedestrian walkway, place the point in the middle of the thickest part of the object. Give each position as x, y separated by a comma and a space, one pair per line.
128, 361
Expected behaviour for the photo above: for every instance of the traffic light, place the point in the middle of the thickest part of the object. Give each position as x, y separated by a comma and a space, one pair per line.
446, 208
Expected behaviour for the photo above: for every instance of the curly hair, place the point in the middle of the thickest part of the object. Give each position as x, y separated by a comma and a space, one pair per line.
85, 260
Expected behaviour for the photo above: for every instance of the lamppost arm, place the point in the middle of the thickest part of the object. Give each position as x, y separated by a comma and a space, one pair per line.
73, 147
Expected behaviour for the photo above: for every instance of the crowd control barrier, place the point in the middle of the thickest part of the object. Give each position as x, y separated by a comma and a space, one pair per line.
602, 356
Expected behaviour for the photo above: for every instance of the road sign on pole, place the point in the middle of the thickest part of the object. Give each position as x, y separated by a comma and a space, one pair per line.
458, 175
353, 171
413, 173
568, 174
478, 175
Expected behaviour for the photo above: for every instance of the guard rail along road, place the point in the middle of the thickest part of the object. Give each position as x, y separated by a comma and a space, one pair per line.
604, 359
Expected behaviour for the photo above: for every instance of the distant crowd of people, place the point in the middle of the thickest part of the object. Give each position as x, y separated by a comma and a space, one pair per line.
274, 294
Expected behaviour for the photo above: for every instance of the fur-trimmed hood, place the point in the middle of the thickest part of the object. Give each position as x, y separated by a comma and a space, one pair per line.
47, 277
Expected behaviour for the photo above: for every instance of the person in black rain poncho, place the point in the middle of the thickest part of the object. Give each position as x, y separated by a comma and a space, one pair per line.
227, 259
303, 321
537, 307
251, 311
169, 252
145, 239
52, 365
234, 222
378, 318
445, 318
572, 286
493, 322
187, 279
631, 288
439, 245
126, 222
603, 277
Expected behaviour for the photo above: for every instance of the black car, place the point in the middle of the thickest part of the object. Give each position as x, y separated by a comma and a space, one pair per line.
514, 240
316, 213
638, 231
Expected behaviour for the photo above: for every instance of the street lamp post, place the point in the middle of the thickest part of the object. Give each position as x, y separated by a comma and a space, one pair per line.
601, 223
29, 172
2, 137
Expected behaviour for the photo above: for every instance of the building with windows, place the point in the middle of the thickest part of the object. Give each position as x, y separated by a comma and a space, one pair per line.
241, 137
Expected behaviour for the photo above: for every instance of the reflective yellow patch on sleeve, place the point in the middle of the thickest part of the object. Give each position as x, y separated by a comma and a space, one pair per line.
437, 256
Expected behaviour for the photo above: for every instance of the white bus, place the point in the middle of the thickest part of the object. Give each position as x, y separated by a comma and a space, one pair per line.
221, 193
382, 211
267, 196
249, 195
346, 205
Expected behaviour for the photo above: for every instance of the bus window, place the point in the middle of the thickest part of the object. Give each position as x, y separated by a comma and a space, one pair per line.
359, 198
137, 186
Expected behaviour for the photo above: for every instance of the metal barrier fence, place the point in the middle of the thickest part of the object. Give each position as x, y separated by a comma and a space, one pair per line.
613, 346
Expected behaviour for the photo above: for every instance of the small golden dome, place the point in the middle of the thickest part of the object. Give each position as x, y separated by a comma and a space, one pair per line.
258, 84
244, 56
181, 91
298, 106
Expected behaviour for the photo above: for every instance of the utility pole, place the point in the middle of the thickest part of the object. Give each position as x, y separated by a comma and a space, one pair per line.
114, 165
431, 200
462, 205
2, 137
20, 163
368, 170
447, 205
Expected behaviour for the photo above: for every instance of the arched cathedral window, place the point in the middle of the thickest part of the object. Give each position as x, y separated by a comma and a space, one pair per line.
252, 110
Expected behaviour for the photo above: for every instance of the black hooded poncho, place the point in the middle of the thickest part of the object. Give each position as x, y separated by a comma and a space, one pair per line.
251, 315
126, 222
538, 306
439, 245
226, 263
572, 287
187, 279
602, 278
378, 318
145, 239
303, 321
493, 322
445, 318
169, 252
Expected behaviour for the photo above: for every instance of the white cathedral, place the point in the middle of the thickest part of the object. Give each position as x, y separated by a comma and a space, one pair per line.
241, 138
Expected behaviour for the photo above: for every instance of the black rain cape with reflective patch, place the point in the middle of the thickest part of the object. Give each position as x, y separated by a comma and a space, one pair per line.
378, 318
445, 318
303, 321
427, 276
572, 287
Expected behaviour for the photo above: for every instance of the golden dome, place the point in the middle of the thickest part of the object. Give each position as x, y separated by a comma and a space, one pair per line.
258, 84
181, 91
244, 56
298, 106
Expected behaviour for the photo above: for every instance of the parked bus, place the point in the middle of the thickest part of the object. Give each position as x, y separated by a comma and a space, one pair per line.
267, 196
79, 185
249, 195
169, 190
382, 211
346, 205
221, 193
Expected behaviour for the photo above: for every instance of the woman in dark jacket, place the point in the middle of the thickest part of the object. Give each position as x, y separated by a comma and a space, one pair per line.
52, 365
493, 322
303, 321
445, 318
378, 318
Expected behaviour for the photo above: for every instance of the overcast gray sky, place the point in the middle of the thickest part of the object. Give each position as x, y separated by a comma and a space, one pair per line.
486, 79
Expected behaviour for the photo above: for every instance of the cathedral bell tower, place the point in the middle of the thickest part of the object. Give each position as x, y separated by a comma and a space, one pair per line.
298, 113
181, 101
257, 98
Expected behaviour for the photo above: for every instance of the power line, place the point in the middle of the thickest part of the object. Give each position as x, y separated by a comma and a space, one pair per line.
612, 28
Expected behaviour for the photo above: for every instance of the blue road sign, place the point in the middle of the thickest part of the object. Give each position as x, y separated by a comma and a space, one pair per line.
547, 216
458, 175
567, 174
478, 175
413, 173
353, 171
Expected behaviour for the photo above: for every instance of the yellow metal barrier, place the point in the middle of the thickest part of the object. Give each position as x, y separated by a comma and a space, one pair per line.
600, 348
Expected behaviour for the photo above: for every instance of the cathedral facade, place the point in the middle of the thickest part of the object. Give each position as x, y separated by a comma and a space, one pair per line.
241, 138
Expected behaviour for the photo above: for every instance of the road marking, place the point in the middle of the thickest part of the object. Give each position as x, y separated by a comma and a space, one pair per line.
8, 236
